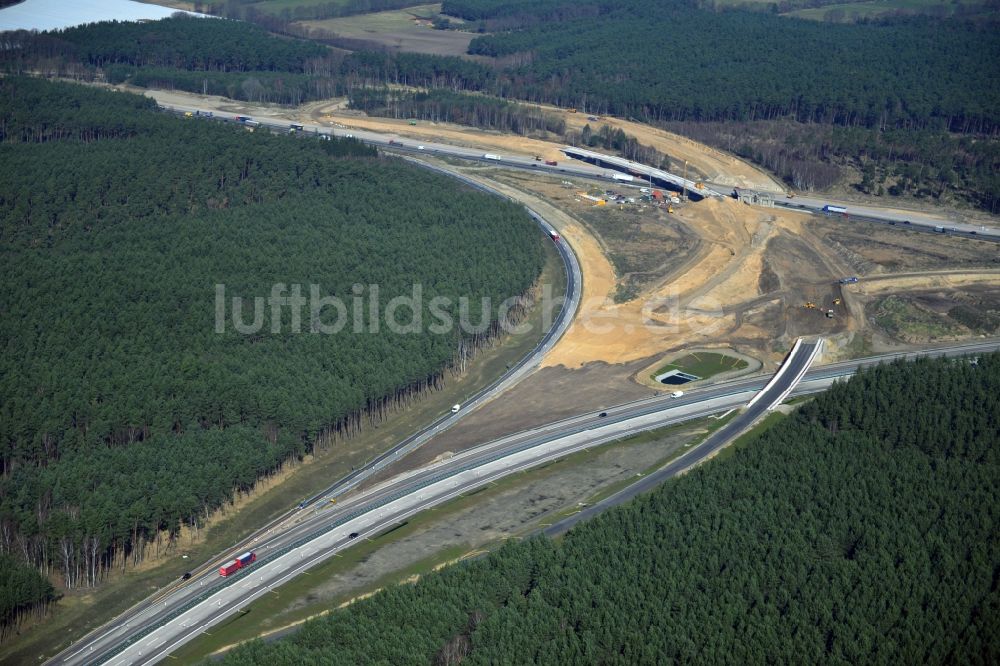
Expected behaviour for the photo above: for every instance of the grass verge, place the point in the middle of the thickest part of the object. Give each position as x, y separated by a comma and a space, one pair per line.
703, 364
297, 600
750, 436
80, 611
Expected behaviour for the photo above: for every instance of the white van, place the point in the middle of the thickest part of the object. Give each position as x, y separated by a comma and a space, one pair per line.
676, 394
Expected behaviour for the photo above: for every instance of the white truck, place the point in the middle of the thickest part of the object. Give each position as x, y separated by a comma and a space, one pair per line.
491, 156
622, 177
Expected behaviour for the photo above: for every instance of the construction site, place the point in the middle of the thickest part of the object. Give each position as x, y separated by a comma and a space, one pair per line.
679, 291
663, 272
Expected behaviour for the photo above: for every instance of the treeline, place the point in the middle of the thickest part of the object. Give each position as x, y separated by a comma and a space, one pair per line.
131, 405
615, 140
702, 66
445, 106
525, 11
257, 12
862, 529
244, 62
925, 164
437, 105
254, 87
181, 41
212, 57
747, 81
23, 592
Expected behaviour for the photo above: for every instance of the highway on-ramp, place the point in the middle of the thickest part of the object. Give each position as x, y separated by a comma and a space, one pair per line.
317, 533
149, 631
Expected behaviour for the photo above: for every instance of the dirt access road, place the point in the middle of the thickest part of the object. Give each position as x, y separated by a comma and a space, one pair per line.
746, 287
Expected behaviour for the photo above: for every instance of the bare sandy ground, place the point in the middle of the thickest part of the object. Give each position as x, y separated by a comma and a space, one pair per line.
714, 298
710, 163
713, 164
942, 280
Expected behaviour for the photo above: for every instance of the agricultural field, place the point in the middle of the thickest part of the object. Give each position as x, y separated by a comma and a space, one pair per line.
850, 12
404, 30
276, 7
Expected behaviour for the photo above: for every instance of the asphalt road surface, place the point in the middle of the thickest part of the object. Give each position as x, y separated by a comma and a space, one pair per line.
903, 220
149, 631
317, 533
514, 374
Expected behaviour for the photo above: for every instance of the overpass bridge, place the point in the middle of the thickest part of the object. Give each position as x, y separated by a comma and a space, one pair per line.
654, 176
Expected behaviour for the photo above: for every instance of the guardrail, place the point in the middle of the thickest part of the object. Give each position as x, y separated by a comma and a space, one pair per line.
798, 376
570, 266
777, 376
409, 489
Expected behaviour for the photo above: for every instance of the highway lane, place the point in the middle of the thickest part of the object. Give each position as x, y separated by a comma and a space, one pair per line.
562, 321
899, 217
207, 582
509, 378
518, 371
387, 504
904, 220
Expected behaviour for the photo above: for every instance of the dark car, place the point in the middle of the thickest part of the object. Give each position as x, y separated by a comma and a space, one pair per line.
906, 221
354, 535
602, 415
187, 574
892, 222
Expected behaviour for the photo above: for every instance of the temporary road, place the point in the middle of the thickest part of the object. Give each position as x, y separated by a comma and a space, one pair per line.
319, 532
150, 631
610, 169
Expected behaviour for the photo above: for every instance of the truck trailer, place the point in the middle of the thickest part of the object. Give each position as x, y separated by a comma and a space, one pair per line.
834, 209
491, 156
244, 560
622, 177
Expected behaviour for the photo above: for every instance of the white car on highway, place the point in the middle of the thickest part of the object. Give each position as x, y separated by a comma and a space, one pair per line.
676, 394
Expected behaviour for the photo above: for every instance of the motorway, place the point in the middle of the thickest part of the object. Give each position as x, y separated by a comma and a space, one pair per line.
564, 317
317, 533
515, 373
612, 166
903, 220
150, 631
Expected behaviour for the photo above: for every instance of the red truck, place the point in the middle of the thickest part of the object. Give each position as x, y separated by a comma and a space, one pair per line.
244, 560
554, 235
551, 162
